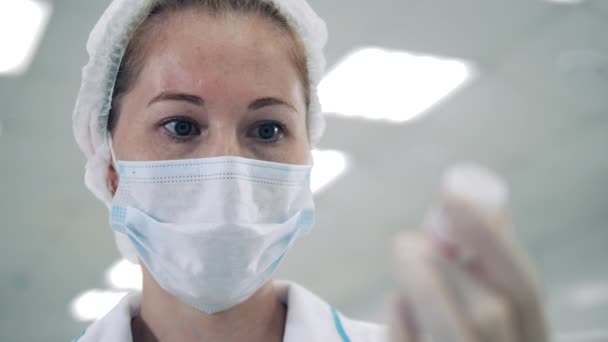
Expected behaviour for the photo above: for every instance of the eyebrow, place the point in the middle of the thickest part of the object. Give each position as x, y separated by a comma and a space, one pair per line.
169, 96
198, 101
268, 101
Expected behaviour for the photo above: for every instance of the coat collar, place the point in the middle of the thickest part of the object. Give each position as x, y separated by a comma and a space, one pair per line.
309, 318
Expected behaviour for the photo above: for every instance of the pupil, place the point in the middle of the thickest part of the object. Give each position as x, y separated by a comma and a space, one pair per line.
268, 131
183, 128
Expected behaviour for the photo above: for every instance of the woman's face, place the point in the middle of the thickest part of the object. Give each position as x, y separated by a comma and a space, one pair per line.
215, 86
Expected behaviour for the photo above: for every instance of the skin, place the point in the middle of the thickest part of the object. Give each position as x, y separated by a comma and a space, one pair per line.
227, 69
226, 79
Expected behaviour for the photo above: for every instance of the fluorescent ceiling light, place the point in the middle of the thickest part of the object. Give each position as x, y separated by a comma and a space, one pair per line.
22, 23
374, 83
94, 304
589, 296
124, 275
328, 166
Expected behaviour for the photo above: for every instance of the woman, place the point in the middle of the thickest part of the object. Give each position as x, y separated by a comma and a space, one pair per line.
197, 118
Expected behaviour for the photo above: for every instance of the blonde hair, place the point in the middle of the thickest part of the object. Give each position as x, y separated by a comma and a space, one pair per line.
139, 41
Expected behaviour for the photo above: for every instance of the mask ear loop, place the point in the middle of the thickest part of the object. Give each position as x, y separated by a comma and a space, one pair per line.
113, 159
112, 154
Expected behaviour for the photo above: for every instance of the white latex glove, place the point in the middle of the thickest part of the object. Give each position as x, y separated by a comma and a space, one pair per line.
465, 279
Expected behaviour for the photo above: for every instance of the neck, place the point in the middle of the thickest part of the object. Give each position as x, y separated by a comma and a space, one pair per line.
164, 318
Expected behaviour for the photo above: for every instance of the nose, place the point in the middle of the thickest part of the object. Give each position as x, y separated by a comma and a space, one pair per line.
223, 143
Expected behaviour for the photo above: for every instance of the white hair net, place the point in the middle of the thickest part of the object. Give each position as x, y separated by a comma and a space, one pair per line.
106, 46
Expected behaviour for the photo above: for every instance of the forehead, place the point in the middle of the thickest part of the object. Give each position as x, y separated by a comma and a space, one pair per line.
191, 47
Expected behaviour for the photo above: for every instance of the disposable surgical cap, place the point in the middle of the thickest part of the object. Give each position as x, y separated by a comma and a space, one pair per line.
106, 46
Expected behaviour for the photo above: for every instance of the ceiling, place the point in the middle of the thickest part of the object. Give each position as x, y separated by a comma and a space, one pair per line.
536, 112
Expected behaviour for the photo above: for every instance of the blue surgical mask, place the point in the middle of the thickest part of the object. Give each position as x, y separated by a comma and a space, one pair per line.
212, 231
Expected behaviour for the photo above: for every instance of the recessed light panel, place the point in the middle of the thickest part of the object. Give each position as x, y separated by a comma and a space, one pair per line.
397, 86
22, 24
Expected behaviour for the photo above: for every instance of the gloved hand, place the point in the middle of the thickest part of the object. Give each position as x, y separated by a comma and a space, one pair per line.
465, 279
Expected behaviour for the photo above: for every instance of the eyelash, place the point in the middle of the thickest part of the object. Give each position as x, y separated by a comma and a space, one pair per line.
177, 139
282, 127
282, 133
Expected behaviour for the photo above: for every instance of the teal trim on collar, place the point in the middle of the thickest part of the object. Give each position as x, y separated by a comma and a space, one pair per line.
79, 336
339, 326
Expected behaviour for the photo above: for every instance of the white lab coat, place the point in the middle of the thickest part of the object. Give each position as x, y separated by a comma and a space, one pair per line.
309, 319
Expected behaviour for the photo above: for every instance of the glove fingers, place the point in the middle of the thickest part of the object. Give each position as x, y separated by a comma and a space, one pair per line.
402, 326
497, 260
490, 314
435, 311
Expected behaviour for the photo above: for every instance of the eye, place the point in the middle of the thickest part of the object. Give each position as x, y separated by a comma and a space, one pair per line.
268, 131
182, 128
